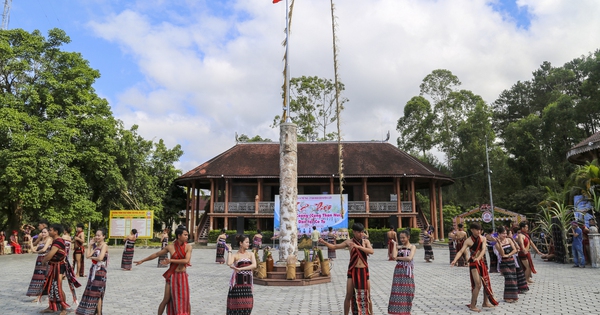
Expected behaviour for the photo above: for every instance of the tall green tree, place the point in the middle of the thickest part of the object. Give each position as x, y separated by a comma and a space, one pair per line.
415, 126
313, 108
63, 156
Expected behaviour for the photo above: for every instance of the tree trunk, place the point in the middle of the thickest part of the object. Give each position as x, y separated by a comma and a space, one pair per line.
288, 190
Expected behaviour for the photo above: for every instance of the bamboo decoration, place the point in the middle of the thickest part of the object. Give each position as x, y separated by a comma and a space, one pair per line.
285, 62
338, 108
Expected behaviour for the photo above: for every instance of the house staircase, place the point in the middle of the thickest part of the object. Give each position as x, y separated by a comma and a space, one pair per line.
203, 229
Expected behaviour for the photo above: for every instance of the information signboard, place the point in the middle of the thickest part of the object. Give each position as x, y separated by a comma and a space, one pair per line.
123, 221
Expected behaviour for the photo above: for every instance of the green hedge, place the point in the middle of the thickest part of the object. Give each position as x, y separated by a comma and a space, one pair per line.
415, 235
213, 234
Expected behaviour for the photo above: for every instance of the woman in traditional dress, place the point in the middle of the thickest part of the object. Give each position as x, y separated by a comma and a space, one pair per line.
14, 242
91, 301
427, 241
521, 280
403, 283
164, 240
41, 247
128, 250
239, 299
331, 239
452, 244
2, 239
26, 243
491, 237
257, 240
56, 271
68, 240
506, 249
221, 245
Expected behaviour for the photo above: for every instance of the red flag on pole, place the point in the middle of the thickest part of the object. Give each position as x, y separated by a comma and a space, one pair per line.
275, 1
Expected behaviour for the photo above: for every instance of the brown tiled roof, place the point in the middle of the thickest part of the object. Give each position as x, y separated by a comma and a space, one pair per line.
589, 144
316, 159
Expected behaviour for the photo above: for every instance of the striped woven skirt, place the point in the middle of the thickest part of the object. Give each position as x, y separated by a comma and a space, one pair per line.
94, 292
179, 304
493, 260
403, 291
452, 250
361, 299
220, 252
127, 259
25, 245
240, 299
428, 252
331, 252
508, 270
521, 281
38, 279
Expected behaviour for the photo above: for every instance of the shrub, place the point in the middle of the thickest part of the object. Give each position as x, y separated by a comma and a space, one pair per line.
377, 235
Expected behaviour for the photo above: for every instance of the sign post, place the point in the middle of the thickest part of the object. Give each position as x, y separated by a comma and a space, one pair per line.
123, 221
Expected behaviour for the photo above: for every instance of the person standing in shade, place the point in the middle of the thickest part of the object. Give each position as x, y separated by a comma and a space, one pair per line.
477, 269
460, 238
68, 240
403, 283
91, 301
240, 300
26, 243
392, 238
177, 288
452, 244
427, 241
257, 240
314, 236
14, 242
491, 238
358, 286
221, 245
2, 239
164, 240
128, 250
506, 249
79, 251
331, 239
577, 246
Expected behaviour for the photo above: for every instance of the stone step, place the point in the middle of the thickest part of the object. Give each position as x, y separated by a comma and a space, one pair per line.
289, 283
283, 274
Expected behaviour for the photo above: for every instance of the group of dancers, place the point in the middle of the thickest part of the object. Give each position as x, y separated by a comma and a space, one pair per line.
509, 252
52, 266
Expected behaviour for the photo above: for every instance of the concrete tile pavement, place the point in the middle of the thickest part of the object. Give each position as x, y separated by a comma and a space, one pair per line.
440, 289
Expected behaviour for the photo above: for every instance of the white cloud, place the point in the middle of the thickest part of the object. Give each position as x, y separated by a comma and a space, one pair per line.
210, 76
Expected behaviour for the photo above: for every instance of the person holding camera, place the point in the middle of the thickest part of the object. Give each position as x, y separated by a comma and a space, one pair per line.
403, 283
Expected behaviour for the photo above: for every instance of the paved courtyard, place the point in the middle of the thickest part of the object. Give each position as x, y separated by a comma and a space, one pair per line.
440, 289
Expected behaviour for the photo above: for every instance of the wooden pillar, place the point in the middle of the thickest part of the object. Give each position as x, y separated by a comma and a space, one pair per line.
211, 224
226, 200
434, 212
260, 189
256, 203
213, 195
365, 194
399, 203
414, 202
192, 225
442, 234
366, 223
331, 185
187, 205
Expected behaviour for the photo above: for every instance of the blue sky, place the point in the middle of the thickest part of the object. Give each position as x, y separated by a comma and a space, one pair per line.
195, 72
513, 12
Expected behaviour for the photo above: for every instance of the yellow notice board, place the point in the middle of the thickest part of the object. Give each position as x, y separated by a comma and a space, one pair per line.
123, 221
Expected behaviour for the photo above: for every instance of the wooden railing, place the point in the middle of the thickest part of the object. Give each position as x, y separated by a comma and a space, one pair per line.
268, 207
357, 207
